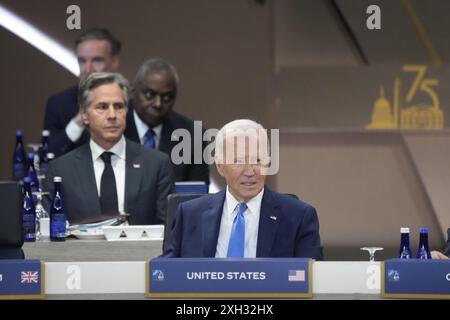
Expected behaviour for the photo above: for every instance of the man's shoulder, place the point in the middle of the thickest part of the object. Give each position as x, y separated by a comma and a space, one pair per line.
289, 201
177, 120
67, 161
148, 154
204, 201
67, 95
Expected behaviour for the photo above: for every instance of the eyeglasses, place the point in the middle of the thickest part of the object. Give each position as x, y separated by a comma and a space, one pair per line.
166, 97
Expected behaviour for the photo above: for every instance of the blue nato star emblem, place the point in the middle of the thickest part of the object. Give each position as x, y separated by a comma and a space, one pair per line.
393, 275
158, 275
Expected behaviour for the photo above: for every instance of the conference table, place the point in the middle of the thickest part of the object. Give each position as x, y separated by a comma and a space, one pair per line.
100, 269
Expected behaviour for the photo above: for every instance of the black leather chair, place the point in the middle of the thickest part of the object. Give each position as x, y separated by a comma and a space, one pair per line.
11, 231
447, 247
173, 200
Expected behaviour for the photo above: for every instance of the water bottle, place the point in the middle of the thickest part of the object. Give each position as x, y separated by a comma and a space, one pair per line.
405, 250
50, 157
42, 220
32, 173
28, 211
19, 161
423, 252
57, 213
44, 165
43, 150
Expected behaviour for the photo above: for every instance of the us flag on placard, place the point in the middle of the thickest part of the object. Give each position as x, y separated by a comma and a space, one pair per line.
296, 275
29, 277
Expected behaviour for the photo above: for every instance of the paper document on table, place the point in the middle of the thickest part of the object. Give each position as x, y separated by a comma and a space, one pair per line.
96, 225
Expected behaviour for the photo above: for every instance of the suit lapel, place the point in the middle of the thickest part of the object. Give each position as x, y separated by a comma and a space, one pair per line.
165, 143
84, 172
133, 174
269, 221
211, 224
131, 130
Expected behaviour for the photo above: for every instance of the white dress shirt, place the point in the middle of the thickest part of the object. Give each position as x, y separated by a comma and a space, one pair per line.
142, 129
118, 164
251, 216
74, 130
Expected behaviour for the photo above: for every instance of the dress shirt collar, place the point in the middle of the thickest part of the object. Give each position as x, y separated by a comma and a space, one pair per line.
118, 149
142, 127
253, 205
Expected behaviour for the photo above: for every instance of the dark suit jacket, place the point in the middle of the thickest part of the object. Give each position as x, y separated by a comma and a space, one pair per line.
61, 108
148, 182
294, 232
183, 172
447, 247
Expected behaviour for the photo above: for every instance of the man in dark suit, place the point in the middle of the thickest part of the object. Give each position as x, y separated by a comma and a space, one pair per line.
247, 219
152, 121
438, 255
97, 50
110, 175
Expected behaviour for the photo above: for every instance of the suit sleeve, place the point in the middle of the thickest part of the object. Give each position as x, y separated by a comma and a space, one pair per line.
59, 142
165, 187
308, 239
173, 248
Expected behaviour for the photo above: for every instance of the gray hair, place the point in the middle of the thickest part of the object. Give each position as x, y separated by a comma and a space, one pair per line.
101, 34
98, 79
155, 65
241, 128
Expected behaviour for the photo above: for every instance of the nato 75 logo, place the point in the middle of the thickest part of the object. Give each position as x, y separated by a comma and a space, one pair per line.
158, 275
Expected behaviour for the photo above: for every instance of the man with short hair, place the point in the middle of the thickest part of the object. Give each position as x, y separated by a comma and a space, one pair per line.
110, 175
247, 219
443, 256
151, 119
97, 50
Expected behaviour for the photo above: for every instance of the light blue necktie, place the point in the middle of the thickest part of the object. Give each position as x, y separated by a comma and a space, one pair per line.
237, 237
149, 140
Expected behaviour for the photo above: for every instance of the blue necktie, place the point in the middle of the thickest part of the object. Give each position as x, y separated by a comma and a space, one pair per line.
149, 140
237, 237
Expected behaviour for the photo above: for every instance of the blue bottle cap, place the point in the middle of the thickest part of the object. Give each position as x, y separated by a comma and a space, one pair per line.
18, 133
26, 179
423, 230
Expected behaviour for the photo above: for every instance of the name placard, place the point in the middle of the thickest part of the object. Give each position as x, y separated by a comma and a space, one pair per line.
415, 279
21, 279
213, 277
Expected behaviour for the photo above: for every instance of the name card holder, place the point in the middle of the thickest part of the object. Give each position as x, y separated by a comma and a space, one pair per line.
229, 278
22, 279
415, 279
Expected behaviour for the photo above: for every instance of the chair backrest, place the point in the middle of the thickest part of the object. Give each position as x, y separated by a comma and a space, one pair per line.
173, 200
191, 187
11, 232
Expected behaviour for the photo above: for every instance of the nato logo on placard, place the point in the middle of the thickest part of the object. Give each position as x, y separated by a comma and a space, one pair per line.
393, 275
158, 275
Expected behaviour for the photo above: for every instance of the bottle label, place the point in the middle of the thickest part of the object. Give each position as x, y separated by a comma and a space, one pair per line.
19, 170
58, 226
29, 226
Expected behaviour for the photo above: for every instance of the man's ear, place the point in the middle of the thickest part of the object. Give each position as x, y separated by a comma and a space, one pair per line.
84, 116
115, 61
220, 169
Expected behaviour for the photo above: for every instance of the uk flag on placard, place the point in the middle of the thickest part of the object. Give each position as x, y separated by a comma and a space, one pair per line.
296, 275
29, 277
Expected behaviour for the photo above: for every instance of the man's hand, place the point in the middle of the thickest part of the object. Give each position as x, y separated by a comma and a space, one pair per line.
438, 255
78, 120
